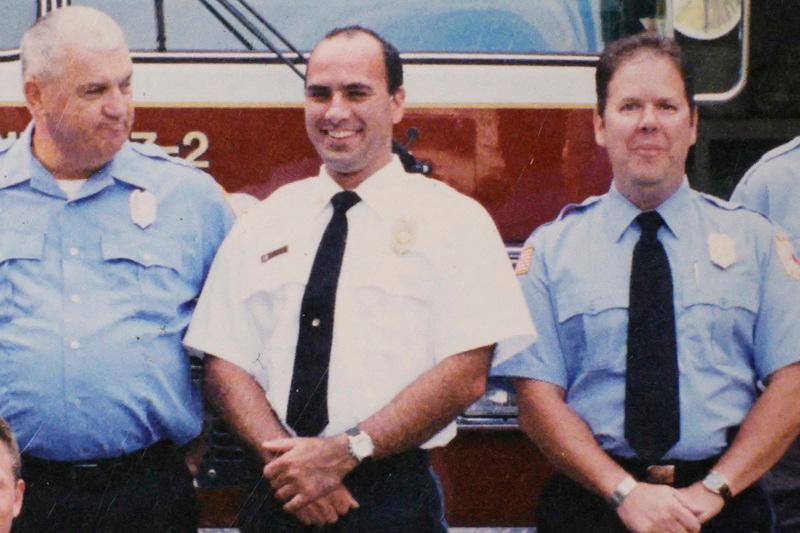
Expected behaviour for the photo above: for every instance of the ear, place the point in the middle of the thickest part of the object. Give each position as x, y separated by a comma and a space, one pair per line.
33, 95
599, 128
20, 490
695, 118
398, 104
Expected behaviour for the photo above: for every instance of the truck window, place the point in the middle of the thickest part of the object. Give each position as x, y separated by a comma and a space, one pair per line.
712, 31
17, 17
467, 26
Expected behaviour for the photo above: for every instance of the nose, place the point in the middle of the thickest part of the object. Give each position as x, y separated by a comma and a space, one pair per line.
338, 108
648, 119
116, 103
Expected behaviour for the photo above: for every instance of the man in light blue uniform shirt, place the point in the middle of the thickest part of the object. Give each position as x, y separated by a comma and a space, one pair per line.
736, 325
104, 245
772, 187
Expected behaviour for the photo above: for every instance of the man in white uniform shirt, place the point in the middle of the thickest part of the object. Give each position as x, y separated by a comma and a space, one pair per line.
425, 292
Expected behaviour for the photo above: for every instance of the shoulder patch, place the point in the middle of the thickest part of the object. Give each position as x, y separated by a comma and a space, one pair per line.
787, 255
524, 261
577, 208
154, 151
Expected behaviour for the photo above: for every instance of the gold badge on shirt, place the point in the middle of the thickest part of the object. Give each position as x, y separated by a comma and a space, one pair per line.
722, 249
404, 234
144, 208
524, 262
786, 252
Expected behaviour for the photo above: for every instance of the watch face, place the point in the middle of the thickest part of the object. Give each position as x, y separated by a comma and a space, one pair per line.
715, 482
361, 446
706, 19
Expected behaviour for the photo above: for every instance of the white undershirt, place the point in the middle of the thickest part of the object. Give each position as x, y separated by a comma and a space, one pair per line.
71, 187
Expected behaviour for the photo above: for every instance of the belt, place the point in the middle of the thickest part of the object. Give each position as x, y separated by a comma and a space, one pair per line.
675, 473
100, 474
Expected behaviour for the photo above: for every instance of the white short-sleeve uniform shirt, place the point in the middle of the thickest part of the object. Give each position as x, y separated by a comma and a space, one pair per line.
425, 275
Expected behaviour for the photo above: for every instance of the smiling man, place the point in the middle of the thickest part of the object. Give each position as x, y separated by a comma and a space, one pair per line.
661, 311
351, 316
104, 245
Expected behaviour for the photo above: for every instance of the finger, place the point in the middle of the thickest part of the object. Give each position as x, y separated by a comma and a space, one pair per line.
296, 502
278, 445
688, 503
313, 515
305, 516
275, 468
286, 493
343, 500
685, 517
326, 507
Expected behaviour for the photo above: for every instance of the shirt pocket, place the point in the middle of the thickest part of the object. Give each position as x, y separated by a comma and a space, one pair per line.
593, 325
719, 319
273, 293
148, 266
20, 259
391, 297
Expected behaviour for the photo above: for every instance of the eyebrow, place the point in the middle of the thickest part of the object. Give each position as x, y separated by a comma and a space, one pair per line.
348, 87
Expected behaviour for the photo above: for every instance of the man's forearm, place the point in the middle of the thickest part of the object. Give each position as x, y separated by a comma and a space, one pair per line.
564, 437
430, 402
242, 403
766, 432
568, 443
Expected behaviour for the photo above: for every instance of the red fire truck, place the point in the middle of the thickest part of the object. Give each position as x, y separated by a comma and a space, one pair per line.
500, 98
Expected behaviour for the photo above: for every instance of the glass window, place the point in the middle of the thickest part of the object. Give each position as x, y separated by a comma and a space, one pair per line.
491, 26
17, 17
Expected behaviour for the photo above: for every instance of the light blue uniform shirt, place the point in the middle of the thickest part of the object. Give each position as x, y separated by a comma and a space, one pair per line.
93, 307
772, 187
735, 324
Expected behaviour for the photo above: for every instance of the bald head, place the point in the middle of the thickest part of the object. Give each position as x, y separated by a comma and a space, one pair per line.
43, 46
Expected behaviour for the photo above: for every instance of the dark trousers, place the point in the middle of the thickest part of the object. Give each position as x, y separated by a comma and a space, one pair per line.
782, 483
566, 507
143, 494
397, 494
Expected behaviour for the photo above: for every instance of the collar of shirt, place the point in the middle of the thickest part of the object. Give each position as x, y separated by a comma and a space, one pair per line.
20, 165
620, 212
376, 192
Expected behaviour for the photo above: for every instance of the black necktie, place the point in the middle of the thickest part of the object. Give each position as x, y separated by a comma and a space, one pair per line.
652, 417
307, 412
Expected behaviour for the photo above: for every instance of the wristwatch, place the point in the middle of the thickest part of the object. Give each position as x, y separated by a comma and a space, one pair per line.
624, 488
718, 484
359, 443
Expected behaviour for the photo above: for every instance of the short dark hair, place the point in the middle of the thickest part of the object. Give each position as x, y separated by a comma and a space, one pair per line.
8, 440
619, 51
391, 57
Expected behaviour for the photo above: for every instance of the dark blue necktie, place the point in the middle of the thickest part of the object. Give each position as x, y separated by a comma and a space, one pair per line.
307, 412
652, 416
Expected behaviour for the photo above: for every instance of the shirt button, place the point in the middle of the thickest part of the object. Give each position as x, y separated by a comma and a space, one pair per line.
147, 256
73, 251
77, 402
75, 298
75, 345
315, 323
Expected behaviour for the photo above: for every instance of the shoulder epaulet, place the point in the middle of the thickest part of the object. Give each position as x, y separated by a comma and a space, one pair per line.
719, 202
154, 151
577, 208
780, 150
